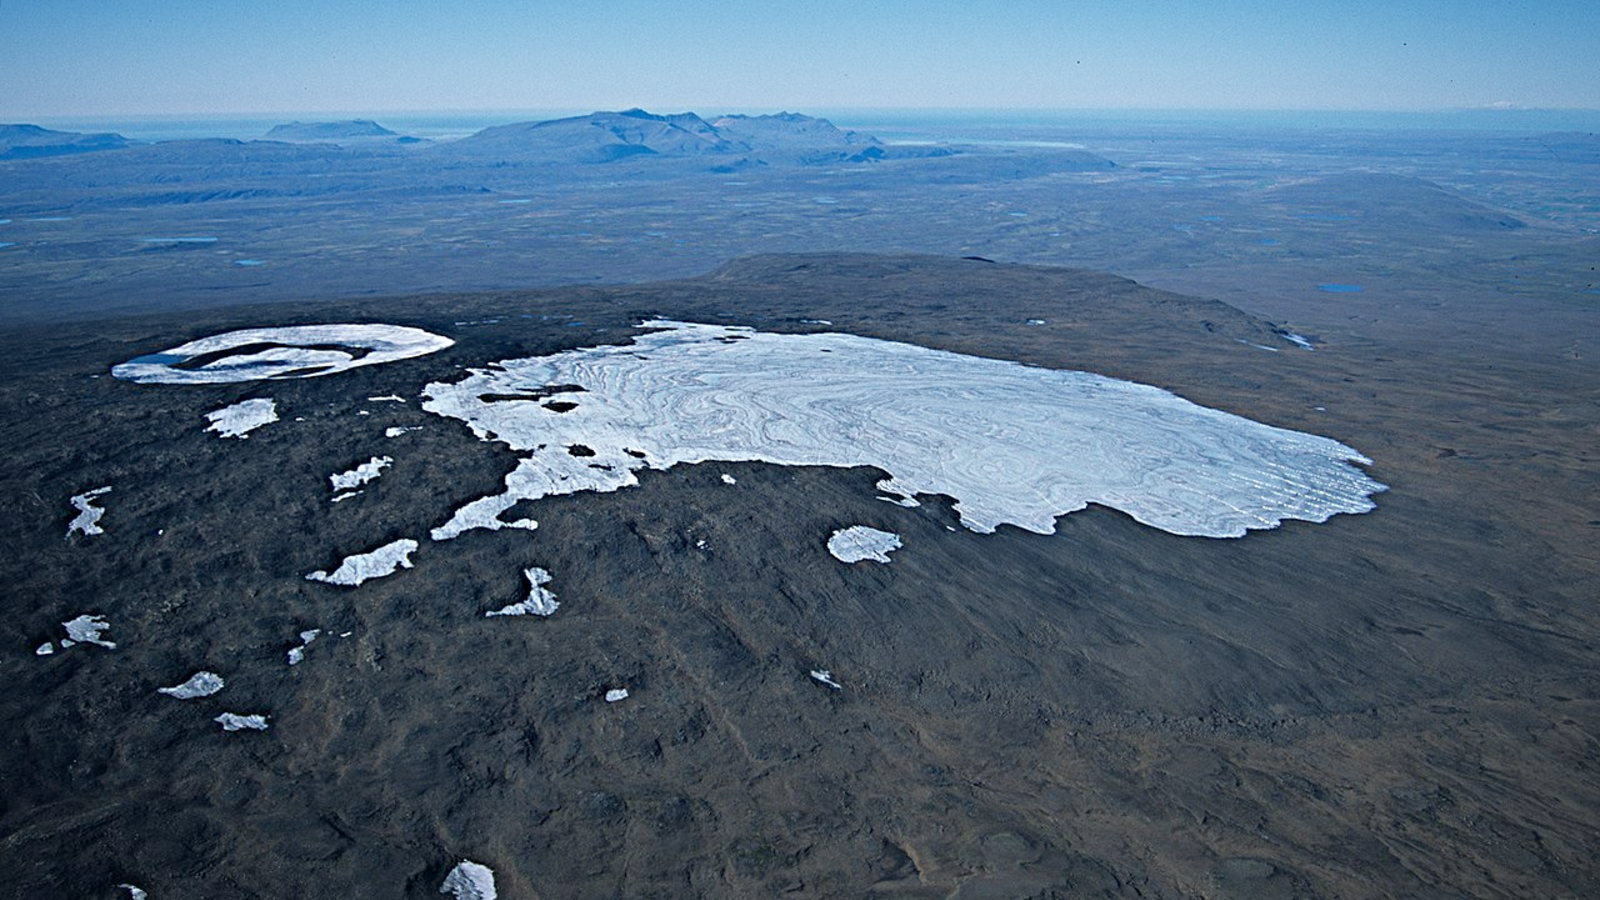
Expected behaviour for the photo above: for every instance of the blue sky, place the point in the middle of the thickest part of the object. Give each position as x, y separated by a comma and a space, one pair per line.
97, 57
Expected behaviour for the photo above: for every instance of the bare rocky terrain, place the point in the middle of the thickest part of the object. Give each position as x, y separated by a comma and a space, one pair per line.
1395, 704
1399, 703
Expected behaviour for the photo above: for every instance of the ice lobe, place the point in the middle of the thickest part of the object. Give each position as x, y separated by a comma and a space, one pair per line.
302, 351
200, 684
469, 881
367, 471
858, 542
238, 420
540, 601
88, 518
1014, 444
385, 560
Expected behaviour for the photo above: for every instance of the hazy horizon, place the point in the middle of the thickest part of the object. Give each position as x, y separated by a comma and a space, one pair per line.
86, 58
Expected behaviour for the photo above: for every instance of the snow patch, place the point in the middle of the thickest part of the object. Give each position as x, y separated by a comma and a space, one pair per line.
469, 881
540, 601
825, 677
385, 560
858, 542
367, 471
297, 655
134, 893
232, 722
88, 518
616, 694
200, 684
729, 479
397, 430
241, 418
87, 630
45, 649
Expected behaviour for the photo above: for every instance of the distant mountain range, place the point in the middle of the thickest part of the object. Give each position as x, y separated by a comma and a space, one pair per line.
336, 132
29, 141
604, 137
645, 144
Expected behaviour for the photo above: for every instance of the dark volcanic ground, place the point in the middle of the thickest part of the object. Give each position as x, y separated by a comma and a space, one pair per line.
1401, 703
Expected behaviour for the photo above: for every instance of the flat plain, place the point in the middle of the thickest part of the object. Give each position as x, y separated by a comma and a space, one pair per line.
1398, 703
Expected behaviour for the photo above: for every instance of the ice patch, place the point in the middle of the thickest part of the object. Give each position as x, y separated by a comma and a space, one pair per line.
200, 684
540, 602
367, 471
825, 677
616, 694
45, 649
398, 430
1014, 444
88, 518
729, 479
133, 892
300, 351
340, 498
232, 722
385, 560
390, 398
469, 881
1298, 340
240, 419
858, 542
87, 630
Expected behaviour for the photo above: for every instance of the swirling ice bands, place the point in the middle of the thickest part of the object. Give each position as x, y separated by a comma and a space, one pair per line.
1013, 444
301, 351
